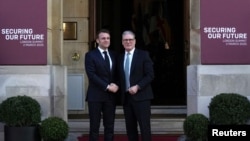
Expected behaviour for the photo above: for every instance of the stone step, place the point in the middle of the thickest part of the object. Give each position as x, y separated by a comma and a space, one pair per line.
158, 125
165, 120
78, 127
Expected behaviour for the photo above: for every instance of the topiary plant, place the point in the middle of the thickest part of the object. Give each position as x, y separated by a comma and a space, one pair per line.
20, 111
54, 129
229, 109
195, 127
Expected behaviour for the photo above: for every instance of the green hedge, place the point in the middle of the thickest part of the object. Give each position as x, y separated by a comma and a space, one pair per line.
229, 109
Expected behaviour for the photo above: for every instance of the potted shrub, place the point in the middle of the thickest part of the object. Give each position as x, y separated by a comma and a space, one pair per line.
54, 129
21, 116
229, 109
195, 127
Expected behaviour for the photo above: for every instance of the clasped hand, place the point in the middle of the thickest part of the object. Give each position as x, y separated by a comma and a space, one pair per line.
113, 88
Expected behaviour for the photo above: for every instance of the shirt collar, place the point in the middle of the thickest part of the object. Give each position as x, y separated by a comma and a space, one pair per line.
131, 51
101, 50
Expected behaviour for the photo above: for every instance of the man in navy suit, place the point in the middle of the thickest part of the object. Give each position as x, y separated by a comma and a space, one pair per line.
102, 87
136, 94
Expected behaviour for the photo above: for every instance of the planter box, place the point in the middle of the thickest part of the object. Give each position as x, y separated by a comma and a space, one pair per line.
21, 133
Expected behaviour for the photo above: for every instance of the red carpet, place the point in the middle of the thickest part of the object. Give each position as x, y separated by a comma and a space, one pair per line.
124, 138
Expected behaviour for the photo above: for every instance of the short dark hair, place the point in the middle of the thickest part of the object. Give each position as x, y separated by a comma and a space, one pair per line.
102, 31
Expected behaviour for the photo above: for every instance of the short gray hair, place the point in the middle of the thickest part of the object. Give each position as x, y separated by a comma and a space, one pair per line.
128, 32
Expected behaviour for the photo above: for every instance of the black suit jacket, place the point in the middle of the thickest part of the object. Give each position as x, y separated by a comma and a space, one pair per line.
99, 75
141, 73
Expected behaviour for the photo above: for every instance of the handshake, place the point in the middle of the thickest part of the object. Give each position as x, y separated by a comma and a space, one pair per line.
112, 87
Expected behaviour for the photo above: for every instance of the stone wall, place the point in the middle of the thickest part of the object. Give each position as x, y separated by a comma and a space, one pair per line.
207, 81
47, 84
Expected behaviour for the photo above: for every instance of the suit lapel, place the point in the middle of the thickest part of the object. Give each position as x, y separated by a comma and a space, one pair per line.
133, 61
101, 59
112, 60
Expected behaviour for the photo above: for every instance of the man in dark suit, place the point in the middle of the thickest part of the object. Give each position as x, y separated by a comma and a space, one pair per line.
135, 88
102, 87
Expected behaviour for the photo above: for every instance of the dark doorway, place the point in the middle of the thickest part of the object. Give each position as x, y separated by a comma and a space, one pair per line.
159, 26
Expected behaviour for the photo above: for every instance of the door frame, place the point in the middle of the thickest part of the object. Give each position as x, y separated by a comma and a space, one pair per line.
93, 19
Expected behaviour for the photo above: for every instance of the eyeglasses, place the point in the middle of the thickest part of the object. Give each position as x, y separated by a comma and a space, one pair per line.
128, 40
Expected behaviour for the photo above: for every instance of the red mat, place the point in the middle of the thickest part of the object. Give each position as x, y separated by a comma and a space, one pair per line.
124, 138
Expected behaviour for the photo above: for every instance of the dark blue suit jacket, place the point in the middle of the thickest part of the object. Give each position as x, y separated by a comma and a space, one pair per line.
99, 75
141, 73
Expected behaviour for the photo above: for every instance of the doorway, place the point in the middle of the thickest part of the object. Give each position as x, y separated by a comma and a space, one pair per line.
161, 28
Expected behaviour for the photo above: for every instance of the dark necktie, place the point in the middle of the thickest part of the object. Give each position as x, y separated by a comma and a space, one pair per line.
126, 69
106, 58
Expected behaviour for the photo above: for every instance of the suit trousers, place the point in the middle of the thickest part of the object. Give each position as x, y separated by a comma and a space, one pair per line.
137, 112
106, 111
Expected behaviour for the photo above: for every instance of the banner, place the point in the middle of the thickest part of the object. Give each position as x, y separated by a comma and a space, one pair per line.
23, 32
224, 31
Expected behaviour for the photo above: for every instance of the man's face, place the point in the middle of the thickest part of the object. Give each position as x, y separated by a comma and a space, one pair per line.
128, 42
103, 40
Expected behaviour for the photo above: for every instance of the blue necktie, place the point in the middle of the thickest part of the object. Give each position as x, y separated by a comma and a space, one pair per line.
126, 69
106, 58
